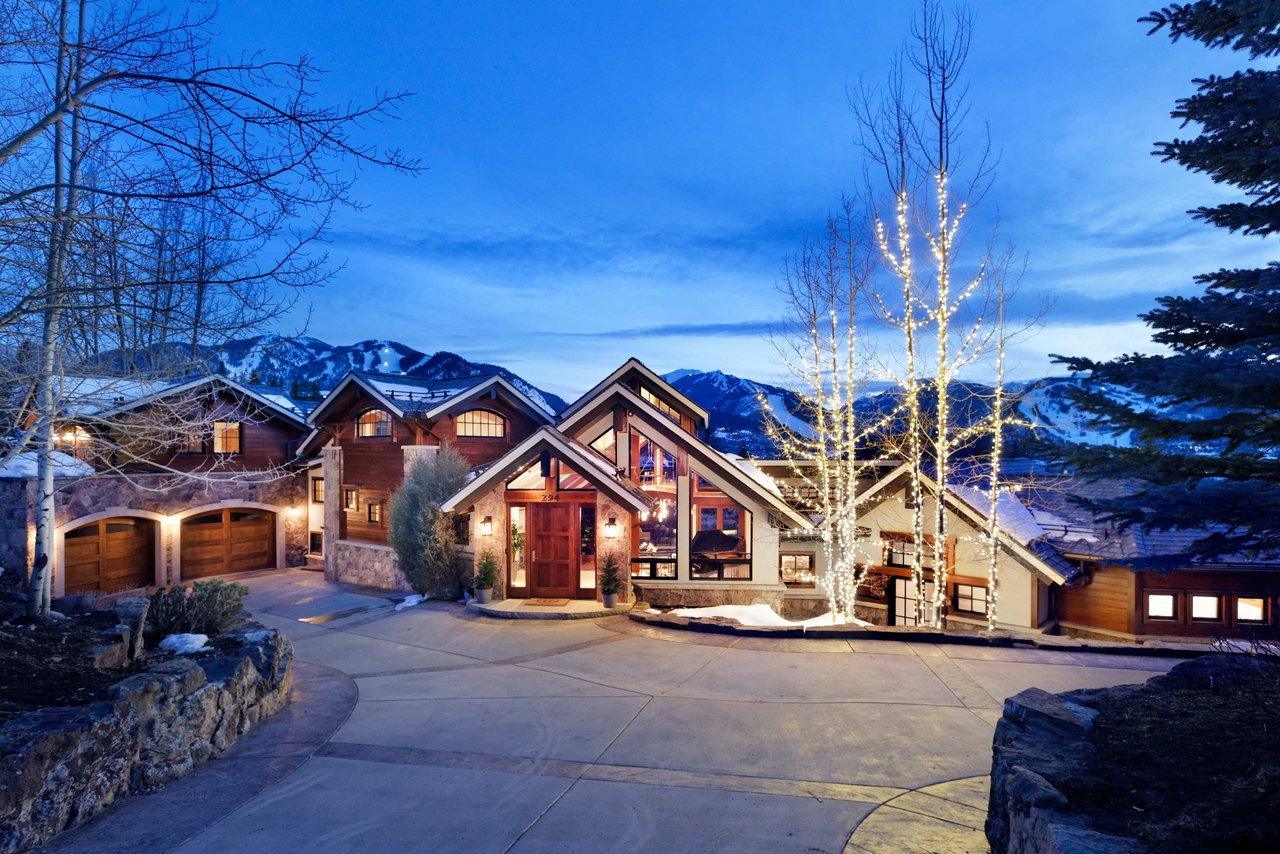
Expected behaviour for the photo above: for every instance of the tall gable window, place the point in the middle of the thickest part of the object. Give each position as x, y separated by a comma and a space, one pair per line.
226, 437
373, 424
481, 424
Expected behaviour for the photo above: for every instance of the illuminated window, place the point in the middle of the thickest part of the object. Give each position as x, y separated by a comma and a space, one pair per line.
519, 576
1251, 609
655, 466
971, 599
375, 423
481, 424
1206, 608
191, 443
720, 548
606, 445
796, 570
350, 499
375, 512
226, 437
660, 404
1162, 606
317, 490
900, 549
76, 441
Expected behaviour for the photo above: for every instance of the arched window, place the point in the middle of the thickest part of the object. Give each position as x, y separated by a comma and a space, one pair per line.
375, 422
481, 424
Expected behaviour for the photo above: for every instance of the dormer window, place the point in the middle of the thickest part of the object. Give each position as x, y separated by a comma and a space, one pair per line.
375, 423
481, 424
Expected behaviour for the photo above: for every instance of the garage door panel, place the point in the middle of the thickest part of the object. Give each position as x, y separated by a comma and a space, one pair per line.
109, 555
241, 540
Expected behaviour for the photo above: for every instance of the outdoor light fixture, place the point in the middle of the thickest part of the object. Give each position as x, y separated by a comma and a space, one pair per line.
611, 527
486, 526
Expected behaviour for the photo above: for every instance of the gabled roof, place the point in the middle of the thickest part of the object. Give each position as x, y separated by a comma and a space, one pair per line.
103, 397
634, 365
713, 463
585, 462
1019, 534
416, 397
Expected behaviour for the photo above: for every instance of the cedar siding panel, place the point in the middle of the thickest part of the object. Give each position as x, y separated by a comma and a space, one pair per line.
1106, 602
478, 451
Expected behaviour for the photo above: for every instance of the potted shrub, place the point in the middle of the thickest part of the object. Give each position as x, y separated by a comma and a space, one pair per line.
486, 577
610, 581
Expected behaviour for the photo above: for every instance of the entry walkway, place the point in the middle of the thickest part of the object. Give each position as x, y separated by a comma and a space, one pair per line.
475, 735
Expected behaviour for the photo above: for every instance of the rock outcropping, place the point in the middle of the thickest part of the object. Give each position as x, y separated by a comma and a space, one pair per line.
59, 767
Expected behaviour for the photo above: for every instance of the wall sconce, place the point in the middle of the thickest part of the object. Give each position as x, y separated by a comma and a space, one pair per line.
295, 512
611, 527
486, 526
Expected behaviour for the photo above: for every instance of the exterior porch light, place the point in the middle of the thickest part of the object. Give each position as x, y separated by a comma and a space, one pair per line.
486, 526
611, 527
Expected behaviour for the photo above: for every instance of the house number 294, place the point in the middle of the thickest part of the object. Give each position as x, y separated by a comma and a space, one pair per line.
550, 496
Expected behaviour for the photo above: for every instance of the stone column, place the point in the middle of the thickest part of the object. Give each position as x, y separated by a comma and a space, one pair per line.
331, 469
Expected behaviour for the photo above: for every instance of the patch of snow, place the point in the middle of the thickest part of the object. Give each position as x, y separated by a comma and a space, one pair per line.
758, 615
257, 637
777, 407
652, 611
1013, 516
23, 465
752, 472
57, 615
410, 601
184, 644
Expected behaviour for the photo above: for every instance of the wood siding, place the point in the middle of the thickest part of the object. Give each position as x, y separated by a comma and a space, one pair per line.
478, 451
1106, 602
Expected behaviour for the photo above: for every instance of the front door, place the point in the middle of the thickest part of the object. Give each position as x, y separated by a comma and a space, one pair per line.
551, 540
902, 603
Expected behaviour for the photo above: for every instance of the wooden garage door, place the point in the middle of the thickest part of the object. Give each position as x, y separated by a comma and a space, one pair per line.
225, 541
110, 555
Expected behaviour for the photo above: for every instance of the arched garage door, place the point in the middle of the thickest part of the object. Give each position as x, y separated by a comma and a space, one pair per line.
224, 541
109, 555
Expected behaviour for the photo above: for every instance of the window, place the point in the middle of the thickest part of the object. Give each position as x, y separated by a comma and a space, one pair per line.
1251, 609
654, 466
655, 546
191, 443
375, 512
76, 441
374, 424
519, 577
659, 404
1206, 608
351, 499
971, 599
606, 445
530, 478
317, 490
796, 570
481, 424
587, 549
226, 437
315, 542
720, 547
462, 529
900, 549
1162, 606
570, 479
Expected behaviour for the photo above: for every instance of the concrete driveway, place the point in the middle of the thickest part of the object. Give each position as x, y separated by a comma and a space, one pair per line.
476, 735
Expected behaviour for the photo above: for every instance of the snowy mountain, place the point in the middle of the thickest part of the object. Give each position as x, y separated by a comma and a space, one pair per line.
309, 367
737, 418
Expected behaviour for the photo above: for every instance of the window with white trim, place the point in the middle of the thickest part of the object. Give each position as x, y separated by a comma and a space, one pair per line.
971, 599
481, 424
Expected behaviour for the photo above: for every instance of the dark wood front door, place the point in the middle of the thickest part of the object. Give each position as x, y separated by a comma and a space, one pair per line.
551, 551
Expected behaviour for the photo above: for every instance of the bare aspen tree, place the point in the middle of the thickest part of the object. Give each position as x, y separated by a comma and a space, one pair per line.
825, 291
154, 201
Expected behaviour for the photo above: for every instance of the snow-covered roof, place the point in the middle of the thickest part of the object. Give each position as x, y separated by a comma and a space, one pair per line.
23, 465
1013, 517
429, 398
754, 473
99, 396
655, 381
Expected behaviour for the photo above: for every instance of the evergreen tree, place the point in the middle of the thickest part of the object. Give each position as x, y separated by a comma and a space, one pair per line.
1208, 456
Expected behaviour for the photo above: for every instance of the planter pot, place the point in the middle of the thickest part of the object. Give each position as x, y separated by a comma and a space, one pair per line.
610, 599
484, 595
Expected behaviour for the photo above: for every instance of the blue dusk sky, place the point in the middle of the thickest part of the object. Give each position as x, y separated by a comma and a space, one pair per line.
606, 179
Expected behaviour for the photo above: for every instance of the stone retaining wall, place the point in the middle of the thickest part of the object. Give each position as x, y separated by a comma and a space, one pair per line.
668, 595
366, 565
59, 767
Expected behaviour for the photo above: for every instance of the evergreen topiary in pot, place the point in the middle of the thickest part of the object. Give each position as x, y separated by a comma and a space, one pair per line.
486, 577
610, 581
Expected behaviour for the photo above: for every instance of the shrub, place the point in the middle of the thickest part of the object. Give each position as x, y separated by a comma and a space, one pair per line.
211, 607
423, 535
486, 570
610, 581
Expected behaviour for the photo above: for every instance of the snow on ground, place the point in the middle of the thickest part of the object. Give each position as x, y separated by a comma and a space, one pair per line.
410, 601
759, 615
182, 644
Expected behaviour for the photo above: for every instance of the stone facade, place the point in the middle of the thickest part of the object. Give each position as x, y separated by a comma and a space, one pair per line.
165, 499
365, 564
63, 766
